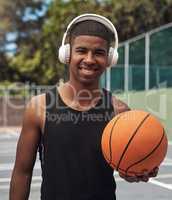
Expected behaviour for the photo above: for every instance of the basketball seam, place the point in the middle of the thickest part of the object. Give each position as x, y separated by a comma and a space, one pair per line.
148, 154
127, 145
110, 140
113, 165
124, 171
120, 169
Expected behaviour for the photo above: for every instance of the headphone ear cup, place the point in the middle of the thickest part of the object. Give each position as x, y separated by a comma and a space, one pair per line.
113, 56
64, 53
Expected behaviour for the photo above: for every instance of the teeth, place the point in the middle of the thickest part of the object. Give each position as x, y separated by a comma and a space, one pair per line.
88, 69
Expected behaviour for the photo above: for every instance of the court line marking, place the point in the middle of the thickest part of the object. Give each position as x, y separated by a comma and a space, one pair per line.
167, 164
163, 176
34, 178
33, 185
164, 185
153, 181
9, 166
168, 159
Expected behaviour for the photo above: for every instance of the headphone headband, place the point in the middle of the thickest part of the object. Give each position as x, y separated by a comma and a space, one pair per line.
64, 50
103, 20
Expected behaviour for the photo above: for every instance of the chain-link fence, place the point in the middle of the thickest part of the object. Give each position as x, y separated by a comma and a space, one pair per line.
145, 62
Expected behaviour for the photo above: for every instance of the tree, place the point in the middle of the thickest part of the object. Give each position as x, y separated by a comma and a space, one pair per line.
39, 37
24, 19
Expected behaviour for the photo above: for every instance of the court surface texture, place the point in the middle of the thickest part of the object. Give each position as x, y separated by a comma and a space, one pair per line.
159, 188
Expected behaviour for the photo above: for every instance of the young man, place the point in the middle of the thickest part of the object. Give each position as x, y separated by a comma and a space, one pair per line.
67, 123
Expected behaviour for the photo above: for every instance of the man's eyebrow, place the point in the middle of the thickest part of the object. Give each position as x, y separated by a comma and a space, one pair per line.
100, 49
94, 49
80, 47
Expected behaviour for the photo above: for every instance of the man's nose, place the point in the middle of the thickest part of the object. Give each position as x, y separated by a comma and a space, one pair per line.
89, 58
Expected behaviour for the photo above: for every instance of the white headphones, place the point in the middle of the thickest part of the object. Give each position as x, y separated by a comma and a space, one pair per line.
64, 50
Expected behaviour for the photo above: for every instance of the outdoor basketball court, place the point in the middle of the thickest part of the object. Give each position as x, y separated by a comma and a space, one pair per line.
159, 188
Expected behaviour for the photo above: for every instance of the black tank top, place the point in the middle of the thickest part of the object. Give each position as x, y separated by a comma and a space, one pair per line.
73, 167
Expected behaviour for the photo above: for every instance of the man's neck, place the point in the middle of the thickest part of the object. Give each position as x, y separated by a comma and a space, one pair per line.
78, 96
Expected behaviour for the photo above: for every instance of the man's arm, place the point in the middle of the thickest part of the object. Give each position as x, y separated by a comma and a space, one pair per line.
119, 106
26, 153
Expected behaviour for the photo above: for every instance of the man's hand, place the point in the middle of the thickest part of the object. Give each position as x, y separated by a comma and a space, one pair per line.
137, 178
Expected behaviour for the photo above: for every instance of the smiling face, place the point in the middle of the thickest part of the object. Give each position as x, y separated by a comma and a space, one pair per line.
89, 59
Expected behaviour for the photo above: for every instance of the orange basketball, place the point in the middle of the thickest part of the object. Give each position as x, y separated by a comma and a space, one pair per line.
134, 141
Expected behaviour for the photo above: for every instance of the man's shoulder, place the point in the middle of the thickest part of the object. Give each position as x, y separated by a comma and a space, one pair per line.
119, 105
36, 101
35, 109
